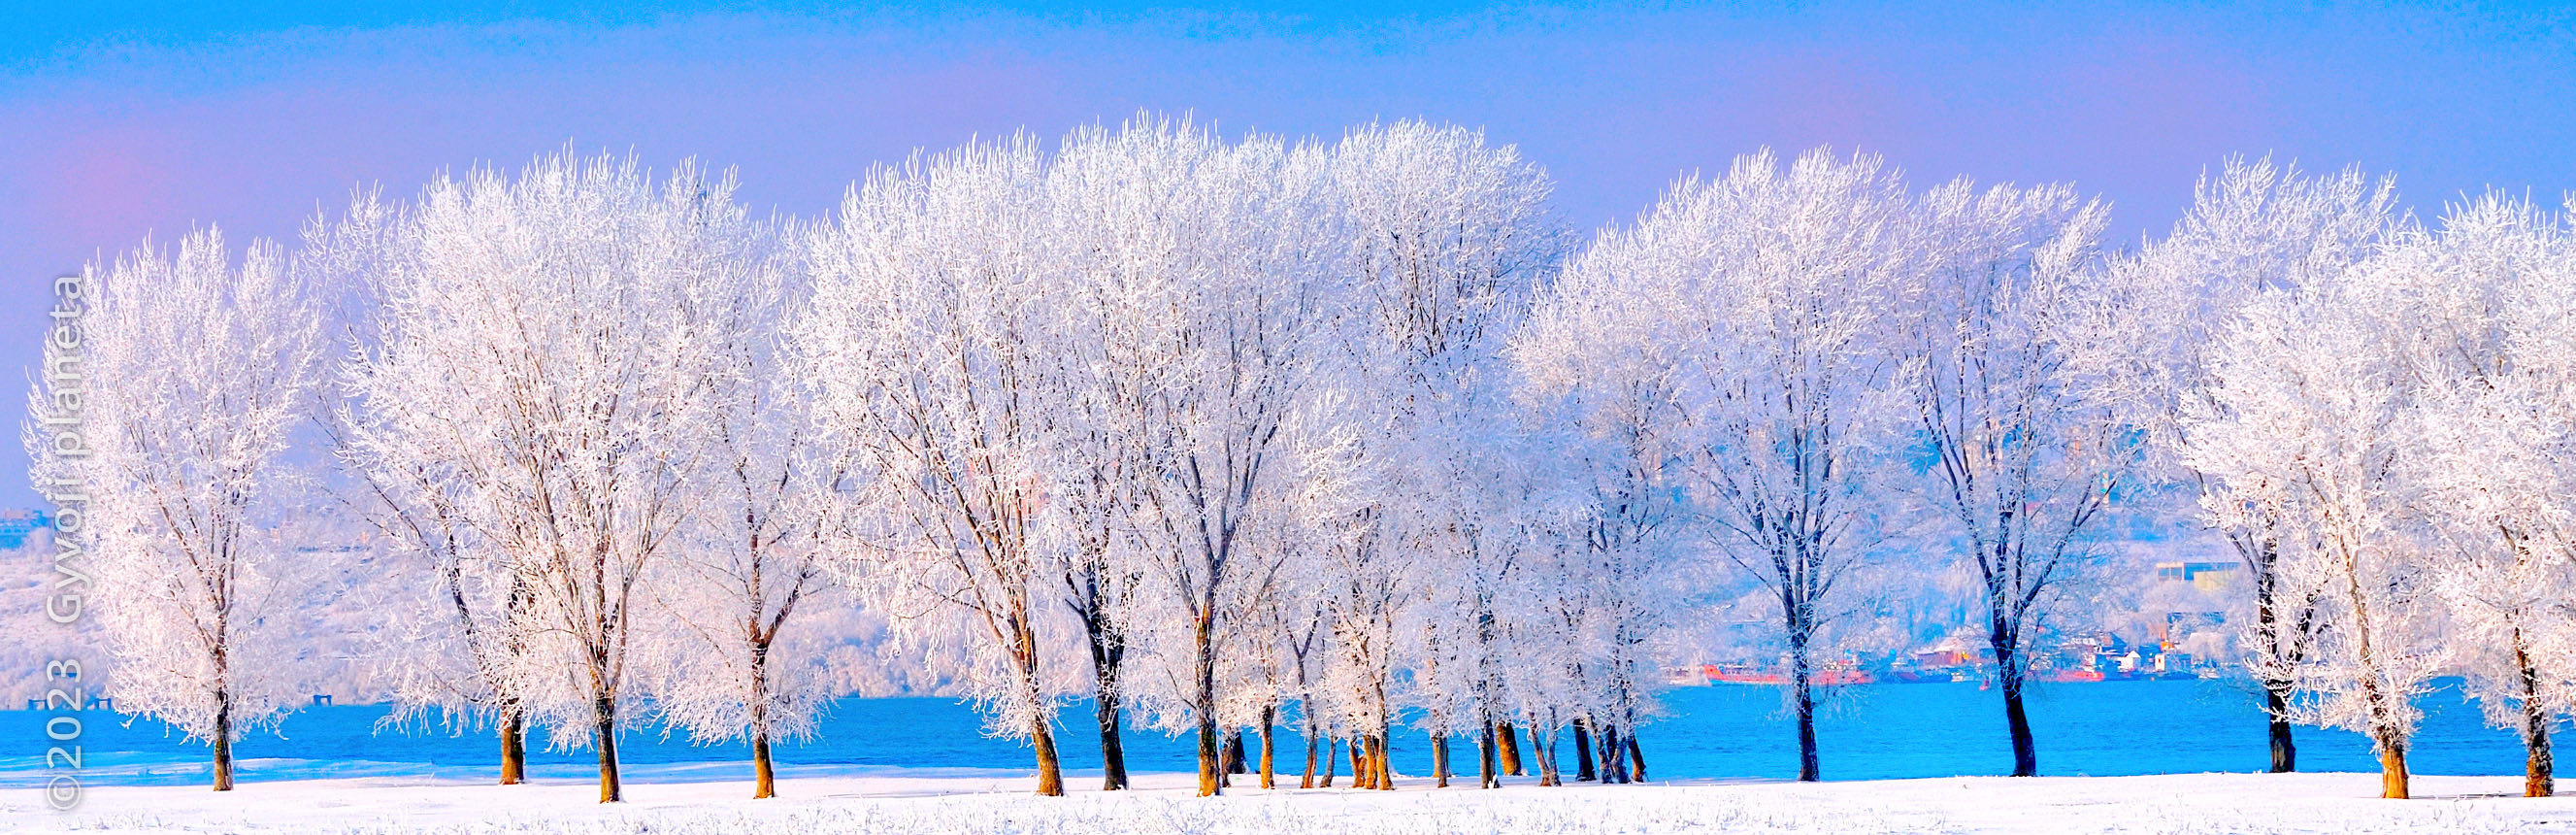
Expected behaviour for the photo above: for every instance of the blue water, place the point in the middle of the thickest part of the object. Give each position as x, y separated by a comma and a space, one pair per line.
1866, 732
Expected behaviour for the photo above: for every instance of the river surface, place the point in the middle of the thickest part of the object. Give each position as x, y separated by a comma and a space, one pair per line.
1723, 731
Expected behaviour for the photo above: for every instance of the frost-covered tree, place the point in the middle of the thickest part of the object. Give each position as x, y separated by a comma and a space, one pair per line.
450, 649
1562, 663
1093, 565
927, 339
1622, 574
2148, 340
728, 665
192, 377
1101, 364
1732, 346
1231, 263
1449, 239
2021, 464
545, 345
2484, 308
2308, 400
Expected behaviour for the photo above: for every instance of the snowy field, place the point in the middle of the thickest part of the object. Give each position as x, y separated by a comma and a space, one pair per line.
997, 803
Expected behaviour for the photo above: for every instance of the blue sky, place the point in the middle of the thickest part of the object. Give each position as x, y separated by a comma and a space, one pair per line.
136, 119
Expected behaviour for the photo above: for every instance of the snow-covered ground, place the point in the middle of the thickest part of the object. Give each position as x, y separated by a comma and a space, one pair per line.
967, 802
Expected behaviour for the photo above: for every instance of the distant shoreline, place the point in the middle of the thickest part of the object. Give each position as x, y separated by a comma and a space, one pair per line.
2184, 803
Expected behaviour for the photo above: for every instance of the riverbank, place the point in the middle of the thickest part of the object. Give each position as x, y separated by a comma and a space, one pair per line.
954, 801
1867, 732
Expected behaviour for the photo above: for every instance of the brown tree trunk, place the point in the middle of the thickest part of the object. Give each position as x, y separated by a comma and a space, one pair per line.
603, 714
1361, 774
1379, 760
2538, 779
2392, 748
1050, 768
1269, 750
1211, 778
1308, 781
514, 748
764, 779
764, 783
1385, 745
1582, 751
1546, 755
1024, 654
1614, 767
1636, 757
223, 741
1439, 760
1205, 703
1332, 760
2392, 772
1510, 748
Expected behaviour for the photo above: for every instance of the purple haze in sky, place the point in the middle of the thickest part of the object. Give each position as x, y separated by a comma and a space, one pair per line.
116, 130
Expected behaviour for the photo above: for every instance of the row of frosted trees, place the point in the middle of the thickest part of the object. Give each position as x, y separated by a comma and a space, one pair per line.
1217, 433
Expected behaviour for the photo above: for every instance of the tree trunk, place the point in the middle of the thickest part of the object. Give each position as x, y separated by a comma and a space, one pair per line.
2025, 751
1546, 755
1234, 758
764, 783
2285, 750
764, 779
1205, 703
1269, 740
1380, 761
1439, 760
223, 741
2392, 771
1509, 744
603, 715
1332, 759
1361, 773
2267, 618
1108, 655
1486, 775
1614, 766
1582, 751
1050, 768
514, 748
2392, 746
1113, 751
1309, 781
1803, 704
1385, 745
2538, 779
1637, 757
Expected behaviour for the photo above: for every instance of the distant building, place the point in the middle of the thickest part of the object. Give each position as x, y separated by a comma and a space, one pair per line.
2206, 576
2178, 626
16, 525
1953, 651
